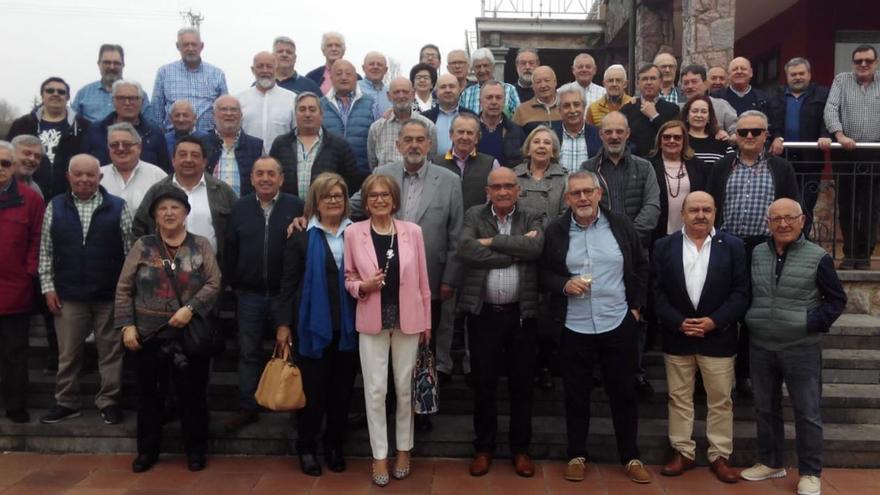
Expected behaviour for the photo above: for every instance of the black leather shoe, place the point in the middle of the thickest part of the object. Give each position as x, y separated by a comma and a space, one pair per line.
143, 462
423, 422
195, 461
544, 379
335, 460
309, 464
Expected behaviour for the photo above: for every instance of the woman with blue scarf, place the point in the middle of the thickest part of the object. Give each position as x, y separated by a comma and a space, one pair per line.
313, 301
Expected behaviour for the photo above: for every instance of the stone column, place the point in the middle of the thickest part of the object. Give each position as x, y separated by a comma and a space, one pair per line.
654, 30
500, 53
708, 32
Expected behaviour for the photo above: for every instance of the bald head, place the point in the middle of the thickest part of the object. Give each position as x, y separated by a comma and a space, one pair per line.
740, 73
375, 67
698, 196
614, 119
400, 92
264, 70
501, 175
614, 133
84, 176
785, 218
544, 84
343, 76
698, 214
448, 91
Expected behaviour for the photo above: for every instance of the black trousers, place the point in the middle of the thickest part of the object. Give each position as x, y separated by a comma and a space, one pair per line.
328, 383
497, 338
190, 385
858, 183
616, 354
13, 360
741, 367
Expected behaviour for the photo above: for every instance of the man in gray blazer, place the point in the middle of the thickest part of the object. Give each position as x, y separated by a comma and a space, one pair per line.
431, 197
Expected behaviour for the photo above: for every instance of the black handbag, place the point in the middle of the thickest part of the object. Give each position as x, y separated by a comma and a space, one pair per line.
200, 338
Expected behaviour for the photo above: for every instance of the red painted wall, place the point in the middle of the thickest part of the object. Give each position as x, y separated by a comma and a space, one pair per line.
807, 29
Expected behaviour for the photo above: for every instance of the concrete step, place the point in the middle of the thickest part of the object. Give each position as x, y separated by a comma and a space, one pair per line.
853, 331
845, 445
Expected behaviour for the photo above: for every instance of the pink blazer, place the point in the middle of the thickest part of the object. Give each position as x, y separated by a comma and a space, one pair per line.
415, 290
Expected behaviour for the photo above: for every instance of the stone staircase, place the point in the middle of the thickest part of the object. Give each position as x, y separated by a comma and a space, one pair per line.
851, 410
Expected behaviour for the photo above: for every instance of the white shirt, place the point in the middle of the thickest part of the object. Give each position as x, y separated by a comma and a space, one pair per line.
199, 221
696, 265
142, 177
591, 93
267, 115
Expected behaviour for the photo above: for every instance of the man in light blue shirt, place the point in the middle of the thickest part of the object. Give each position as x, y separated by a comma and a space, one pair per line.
375, 67
188, 78
94, 101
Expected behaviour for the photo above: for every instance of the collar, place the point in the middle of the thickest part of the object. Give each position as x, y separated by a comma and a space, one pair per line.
772, 243
492, 129
748, 89
91, 198
711, 234
273, 200
450, 155
574, 136
133, 169
320, 132
762, 158
454, 110
8, 186
354, 95
202, 182
314, 222
585, 227
197, 69
421, 173
539, 103
234, 143
376, 86
506, 217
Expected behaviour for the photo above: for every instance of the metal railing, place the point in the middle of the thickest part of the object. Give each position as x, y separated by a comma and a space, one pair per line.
844, 195
555, 9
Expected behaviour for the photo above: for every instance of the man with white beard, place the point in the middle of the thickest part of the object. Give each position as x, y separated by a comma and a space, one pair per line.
267, 109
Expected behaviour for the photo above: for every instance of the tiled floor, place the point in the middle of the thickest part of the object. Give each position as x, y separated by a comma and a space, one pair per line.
72, 474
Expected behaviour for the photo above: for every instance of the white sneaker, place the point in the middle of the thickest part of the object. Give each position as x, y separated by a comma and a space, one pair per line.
760, 472
809, 485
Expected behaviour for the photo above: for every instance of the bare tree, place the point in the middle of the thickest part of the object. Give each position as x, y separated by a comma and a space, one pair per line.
8, 113
393, 69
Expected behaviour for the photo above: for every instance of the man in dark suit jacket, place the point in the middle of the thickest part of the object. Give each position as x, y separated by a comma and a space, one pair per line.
327, 152
701, 289
647, 112
247, 150
798, 115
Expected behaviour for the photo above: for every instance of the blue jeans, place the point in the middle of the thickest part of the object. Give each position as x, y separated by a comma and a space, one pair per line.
801, 369
255, 318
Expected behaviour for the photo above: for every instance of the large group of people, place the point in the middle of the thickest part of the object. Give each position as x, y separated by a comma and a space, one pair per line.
356, 218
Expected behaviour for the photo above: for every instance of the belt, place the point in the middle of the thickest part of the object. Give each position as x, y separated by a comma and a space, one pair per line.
503, 308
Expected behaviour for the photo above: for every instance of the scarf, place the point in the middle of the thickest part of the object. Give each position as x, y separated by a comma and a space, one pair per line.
315, 323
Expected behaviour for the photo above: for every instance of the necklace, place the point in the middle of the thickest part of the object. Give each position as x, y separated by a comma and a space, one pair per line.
389, 253
170, 252
682, 173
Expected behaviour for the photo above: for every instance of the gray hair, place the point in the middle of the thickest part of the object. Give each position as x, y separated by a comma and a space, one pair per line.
800, 209
189, 30
331, 34
27, 140
124, 127
753, 113
417, 122
6, 145
482, 54
466, 116
584, 174
182, 102
797, 61
614, 67
572, 90
214, 105
307, 94
283, 40
126, 82
456, 51
528, 50
84, 156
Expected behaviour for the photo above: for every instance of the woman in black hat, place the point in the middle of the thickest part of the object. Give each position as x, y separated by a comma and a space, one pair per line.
151, 320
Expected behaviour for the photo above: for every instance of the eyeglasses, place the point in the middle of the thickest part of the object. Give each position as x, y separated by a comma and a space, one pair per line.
754, 132
422, 77
788, 219
52, 91
373, 196
672, 137
111, 63
228, 110
587, 191
122, 145
126, 99
509, 186
864, 61
5, 163
332, 198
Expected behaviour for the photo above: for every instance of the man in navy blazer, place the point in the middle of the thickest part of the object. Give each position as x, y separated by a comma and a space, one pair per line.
701, 289
578, 140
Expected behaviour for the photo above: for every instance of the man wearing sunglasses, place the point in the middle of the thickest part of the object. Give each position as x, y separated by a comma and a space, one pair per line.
128, 103
852, 116
743, 185
21, 217
60, 129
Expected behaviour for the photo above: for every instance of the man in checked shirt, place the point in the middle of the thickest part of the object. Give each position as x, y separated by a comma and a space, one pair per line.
744, 185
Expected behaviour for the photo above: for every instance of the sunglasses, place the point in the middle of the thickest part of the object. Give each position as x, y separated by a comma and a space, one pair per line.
5, 163
754, 132
864, 61
52, 91
122, 145
672, 137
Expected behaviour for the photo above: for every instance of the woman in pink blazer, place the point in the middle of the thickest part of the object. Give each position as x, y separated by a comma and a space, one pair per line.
385, 270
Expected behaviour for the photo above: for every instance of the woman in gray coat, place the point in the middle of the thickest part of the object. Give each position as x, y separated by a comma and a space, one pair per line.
542, 180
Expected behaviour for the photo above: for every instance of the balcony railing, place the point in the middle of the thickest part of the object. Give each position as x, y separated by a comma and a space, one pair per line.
546, 9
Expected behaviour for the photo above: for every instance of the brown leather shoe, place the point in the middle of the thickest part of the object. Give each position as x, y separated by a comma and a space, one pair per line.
677, 465
721, 467
523, 465
637, 472
481, 464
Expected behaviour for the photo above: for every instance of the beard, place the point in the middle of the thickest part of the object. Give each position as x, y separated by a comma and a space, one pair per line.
525, 80
266, 82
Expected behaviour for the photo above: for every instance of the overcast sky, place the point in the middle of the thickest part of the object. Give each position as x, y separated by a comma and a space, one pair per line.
42, 38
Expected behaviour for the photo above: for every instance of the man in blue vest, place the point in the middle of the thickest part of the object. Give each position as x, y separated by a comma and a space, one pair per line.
85, 238
348, 111
796, 296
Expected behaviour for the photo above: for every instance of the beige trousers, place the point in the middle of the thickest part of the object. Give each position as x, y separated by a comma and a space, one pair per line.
374, 351
718, 376
72, 326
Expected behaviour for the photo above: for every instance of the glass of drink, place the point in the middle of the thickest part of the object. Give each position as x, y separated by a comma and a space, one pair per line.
586, 275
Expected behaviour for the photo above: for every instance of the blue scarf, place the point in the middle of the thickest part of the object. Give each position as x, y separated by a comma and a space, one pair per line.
315, 325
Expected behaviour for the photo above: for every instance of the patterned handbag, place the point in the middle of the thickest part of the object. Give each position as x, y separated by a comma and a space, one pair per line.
424, 387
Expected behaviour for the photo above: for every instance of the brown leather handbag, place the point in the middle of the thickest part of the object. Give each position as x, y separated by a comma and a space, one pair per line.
281, 387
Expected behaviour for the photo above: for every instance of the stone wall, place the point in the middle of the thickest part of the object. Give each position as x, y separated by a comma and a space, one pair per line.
654, 30
708, 31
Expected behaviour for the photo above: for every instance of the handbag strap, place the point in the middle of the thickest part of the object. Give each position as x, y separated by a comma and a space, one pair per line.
172, 277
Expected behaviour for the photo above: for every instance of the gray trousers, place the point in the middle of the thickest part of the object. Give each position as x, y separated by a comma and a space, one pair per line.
75, 322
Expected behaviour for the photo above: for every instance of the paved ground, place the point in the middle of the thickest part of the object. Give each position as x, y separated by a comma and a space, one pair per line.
73, 474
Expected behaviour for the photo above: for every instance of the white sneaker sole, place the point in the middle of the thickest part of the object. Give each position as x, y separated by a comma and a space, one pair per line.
777, 474
816, 492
